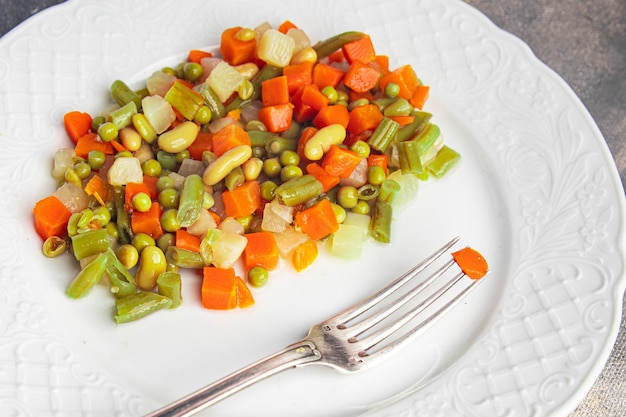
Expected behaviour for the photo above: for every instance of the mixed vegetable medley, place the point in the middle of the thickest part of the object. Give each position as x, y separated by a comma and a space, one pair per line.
238, 160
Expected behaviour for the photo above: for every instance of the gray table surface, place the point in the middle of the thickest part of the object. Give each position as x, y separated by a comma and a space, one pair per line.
585, 43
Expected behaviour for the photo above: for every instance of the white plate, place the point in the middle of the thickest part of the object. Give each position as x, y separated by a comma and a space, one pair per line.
536, 192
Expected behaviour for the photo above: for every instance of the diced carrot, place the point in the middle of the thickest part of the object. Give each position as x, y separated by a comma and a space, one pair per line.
118, 146
471, 262
51, 217
381, 63
402, 120
361, 77
203, 142
325, 75
340, 161
337, 56
406, 79
148, 222
234, 114
151, 183
304, 255
90, 142
306, 135
131, 190
242, 200
328, 181
228, 137
318, 221
216, 217
285, 26
261, 250
185, 240
219, 288
360, 50
301, 112
332, 114
420, 96
313, 97
276, 118
244, 295
298, 75
99, 188
378, 159
236, 51
364, 118
77, 124
196, 55
275, 91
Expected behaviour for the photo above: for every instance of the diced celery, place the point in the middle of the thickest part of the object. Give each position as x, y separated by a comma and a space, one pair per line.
183, 99
445, 159
158, 112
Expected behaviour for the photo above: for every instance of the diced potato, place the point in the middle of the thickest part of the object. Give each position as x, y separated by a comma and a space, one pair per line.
158, 112
125, 170
227, 249
159, 83
288, 240
276, 48
276, 217
63, 159
347, 242
224, 80
301, 40
201, 226
73, 196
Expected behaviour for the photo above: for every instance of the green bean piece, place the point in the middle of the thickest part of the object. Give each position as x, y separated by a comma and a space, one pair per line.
380, 225
165, 241
298, 190
409, 157
330, 45
212, 101
169, 285
384, 135
277, 144
368, 192
88, 277
388, 191
122, 94
184, 99
426, 138
259, 137
420, 119
445, 159
399, 107
139, 305
123, 116
122, 218
206, 245
267, 72
122, 282
54, 246
183, 258
90, 243
234, 178
167, 160
190, 203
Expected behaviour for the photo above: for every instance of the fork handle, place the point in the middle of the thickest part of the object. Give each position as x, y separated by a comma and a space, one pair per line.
294, 355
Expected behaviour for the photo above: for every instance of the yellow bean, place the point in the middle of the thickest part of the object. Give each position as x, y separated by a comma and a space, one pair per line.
247, 70
323, 139
229, 160
252, 169
131, 139
144, 128
152, 263
304, 55
179, 138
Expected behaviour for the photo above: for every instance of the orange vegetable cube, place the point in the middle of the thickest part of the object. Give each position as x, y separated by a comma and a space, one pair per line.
219, 288
51, 217
261, 250
277, 118
228, 137
235, 51
318, 221
243, 200
275, 91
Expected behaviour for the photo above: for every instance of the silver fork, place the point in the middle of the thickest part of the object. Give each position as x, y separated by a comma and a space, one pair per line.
336, 342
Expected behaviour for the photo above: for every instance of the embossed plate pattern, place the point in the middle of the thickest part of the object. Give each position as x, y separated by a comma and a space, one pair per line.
536, 192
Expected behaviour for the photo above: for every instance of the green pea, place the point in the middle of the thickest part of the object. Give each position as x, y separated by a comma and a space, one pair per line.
290, 171
192, 71
128, 255
347, 196
258, 276
96, 122
166, 160
358, 103
166, 240
203, 115
164, 183
392, 90
169, 70
271, 167
96, 159
267, 190
182, 155
112, 230
141, 202
361, 148
256, 125
361, 207
289, 157
376, 175
141, 241
258, 152
245, 90
169, 221
169, 198
151, 167
82, 169
342, 96
340, 212
107, 131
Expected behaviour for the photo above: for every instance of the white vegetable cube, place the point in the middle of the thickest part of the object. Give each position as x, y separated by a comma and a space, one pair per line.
301, 40
347, 242
227, 249
224, 80
276, 48
158, 112
125, 170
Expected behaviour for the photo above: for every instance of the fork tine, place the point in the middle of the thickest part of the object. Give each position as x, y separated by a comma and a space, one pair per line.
425, 323
374, 299
357, 328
